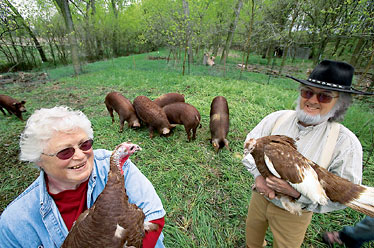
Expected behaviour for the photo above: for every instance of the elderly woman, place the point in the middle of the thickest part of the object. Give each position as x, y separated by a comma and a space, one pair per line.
72, 175
323, 101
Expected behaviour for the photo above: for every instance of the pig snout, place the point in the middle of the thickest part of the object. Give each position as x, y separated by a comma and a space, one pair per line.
165, 131
136, 124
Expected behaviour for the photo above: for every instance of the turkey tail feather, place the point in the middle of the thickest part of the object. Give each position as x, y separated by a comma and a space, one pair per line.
364, 203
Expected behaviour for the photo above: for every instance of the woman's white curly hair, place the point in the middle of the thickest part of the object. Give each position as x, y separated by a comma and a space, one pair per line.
43, 124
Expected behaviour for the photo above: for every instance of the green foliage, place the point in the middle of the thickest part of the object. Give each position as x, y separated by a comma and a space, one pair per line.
205, 195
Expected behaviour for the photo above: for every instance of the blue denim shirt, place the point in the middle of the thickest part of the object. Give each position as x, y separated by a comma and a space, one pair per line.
33, 219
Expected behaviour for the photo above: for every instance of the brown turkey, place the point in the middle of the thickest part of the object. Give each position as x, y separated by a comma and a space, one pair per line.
277, 155
112, 221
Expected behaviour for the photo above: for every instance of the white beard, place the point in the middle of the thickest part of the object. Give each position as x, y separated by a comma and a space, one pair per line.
313, 119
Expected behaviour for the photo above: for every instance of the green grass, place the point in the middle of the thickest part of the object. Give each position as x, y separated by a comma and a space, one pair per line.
205, 195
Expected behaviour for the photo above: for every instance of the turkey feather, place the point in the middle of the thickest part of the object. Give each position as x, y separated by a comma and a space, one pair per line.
277, 155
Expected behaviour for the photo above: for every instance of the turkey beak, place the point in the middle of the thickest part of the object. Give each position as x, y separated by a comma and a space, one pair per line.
249, 146
135, 148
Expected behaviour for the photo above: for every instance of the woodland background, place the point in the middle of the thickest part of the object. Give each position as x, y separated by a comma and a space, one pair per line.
37, 33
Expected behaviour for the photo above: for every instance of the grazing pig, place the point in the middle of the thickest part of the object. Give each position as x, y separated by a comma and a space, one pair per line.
210, 61
186, 114
219, 123
169, 98
152, 115
12, 106
124, 108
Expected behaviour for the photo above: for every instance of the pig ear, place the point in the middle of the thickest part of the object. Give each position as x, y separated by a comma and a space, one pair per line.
23, 102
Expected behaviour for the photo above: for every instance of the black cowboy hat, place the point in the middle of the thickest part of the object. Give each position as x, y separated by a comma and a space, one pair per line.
332, 75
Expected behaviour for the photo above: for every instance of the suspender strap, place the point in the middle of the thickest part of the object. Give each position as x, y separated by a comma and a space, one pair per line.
282, 119
328, 150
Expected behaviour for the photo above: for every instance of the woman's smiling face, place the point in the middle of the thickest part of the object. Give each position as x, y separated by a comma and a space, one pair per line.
69, 173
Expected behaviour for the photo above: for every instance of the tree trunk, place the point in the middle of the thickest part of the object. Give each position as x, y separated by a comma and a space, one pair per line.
28, 30
52, 51
368, 65
362, 57
65, 11
215, 47
89, 46
115, 30
337, 44
18, 57
342, 49
8, 58
269, 53
231, 32
356, 52
248, 42
287, 46
7, 52
23, 52
320, 51
99, 47
188, 33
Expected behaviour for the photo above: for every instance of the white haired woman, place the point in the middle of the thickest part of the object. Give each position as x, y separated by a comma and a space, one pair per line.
72, 175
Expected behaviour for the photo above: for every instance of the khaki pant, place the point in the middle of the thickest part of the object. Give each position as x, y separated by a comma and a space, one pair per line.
288, 229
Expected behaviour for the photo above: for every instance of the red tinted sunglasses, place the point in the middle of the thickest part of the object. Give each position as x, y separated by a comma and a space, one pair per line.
69, 152
321, 97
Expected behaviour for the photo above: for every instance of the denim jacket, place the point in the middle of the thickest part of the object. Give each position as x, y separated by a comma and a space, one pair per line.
33, 219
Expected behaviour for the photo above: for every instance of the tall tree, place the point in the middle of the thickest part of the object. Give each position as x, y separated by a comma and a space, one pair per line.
188, 34
115, 45
99, 47
289, 41
22, 21
231, 31
64, 8
248, 42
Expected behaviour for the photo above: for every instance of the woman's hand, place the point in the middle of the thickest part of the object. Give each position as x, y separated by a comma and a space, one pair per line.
262, 188
281, 186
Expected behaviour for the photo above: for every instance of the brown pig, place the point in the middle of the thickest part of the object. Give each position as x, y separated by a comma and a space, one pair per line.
152, 115
169, 98
126, 112
186, 114
219, 123
12, 106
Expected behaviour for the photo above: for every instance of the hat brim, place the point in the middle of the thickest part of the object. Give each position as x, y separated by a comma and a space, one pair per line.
351, 90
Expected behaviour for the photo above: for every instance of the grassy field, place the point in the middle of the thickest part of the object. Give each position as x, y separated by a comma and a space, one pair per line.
205, 195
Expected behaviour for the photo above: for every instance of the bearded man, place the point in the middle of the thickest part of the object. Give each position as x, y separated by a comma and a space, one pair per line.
323, 100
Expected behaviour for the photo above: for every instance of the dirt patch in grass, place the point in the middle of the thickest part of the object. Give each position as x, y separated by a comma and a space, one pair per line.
289, 70
24, 78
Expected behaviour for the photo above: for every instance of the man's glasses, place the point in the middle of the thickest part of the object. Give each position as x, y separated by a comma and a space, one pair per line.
69, 152
321, 97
